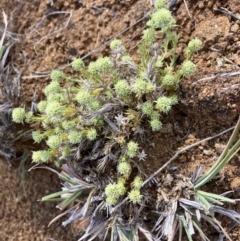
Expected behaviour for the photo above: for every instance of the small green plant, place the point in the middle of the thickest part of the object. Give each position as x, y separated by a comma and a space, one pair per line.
97, 119
105, 105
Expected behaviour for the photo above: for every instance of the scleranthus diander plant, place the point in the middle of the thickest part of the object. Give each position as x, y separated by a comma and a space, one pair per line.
96, 118
111, 98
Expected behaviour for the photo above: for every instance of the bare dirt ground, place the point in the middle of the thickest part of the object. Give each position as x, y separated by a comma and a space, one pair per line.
51, 33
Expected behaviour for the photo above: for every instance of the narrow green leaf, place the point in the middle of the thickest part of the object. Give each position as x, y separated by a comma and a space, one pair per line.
69, 200
203, 201
55, 199
202, 234
1, 52
180, 230
216, 196
112, 233
67, 179
134, 234
184, 222
122, 235
225, 157
56, 194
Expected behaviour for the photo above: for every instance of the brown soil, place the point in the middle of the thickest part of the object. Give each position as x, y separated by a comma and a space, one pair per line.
207, 105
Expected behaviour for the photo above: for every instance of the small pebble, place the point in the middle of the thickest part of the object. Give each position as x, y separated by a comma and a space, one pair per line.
234, 28
219, 148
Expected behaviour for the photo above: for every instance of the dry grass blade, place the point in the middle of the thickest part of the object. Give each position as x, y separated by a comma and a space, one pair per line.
185, 2
145, 232
5, 30
181, 151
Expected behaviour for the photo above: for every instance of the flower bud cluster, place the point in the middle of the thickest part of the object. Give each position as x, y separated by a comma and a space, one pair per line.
164, 103
101, 65
193, 46
135, 196
188, 68
132, 148
147, 108
77, 64
18, 115
162, 19
122, 88
124, 168
117, 46
141, 87
160, 4
57, 75
149, 36
41, 156
114, 190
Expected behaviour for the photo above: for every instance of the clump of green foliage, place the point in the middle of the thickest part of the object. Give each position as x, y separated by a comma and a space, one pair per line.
109, 101
97, 116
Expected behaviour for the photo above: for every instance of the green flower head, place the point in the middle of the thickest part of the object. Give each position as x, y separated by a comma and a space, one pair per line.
92, 134
101, 65
83, 97
18, 115
164, 104
147, 108
94, 105
188, 68
75, 136
137, 182
169, 80
132, 149
126, 58
36, 156
122, 88
194, 45
159, 62
124, 168
155, 124
37, 136
111, 190
45, 156
160, 4
116, 44
42, 106
29, 117
69, 124
60, 97
53, 109
141, 87
57, 75
121, 181
54, 141
162, 19
135, 196
53, 87
77, 64
121, 189
149, 36
155, 115
111, 200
